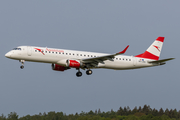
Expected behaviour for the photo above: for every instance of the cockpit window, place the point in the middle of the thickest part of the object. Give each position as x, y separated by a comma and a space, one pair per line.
17, 49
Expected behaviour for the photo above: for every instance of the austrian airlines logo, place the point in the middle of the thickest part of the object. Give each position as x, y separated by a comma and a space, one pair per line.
50, 50
157, 47
39, 50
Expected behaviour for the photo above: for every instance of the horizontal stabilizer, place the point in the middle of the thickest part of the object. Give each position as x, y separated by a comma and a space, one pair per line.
161, 61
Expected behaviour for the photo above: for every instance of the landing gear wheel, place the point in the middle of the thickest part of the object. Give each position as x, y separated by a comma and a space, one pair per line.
22, 62
79, 74
89, 72
21, 66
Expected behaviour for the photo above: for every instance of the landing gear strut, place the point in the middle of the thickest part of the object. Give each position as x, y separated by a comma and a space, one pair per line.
89, 72
79, 73
22, 66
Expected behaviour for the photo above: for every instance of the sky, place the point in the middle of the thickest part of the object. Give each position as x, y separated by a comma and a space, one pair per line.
93, 25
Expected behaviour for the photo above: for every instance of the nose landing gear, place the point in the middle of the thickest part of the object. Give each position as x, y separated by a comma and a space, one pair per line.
22, 61
21, 66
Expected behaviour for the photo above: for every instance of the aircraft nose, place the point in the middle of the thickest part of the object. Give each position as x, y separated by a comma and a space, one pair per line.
8, 55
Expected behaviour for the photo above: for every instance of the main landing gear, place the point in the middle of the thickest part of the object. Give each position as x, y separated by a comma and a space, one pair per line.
89, 72
79, 73
22, 61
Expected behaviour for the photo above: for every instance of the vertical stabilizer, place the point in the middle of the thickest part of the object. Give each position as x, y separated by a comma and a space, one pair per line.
154, 51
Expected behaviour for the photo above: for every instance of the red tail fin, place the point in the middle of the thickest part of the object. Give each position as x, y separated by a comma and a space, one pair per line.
153, 52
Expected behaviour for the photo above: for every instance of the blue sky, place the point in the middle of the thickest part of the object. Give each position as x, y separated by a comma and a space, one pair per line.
98, 26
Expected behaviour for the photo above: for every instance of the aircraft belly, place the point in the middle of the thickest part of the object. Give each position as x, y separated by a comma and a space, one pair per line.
119, 65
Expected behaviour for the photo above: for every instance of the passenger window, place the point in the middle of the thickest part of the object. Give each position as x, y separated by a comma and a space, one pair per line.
66, 53
69, 53
119, 58
77, 54
81, 55
49, 51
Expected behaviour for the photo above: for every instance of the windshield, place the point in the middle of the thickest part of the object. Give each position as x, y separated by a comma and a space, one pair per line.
17, 49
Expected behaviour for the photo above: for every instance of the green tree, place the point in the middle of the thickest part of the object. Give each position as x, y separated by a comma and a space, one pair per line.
139, 109
154, 112
170, 113
135, 110
13, 116
139, 114
128, 110
165, 117
120, 111
119, 117
161, 112
174, 114
178, 114
91, 113
131, 117
145, 110
125, 111
96, 112
166, 112
99, 111
2, 117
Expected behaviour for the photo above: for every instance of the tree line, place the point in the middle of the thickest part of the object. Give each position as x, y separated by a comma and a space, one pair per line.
140, 113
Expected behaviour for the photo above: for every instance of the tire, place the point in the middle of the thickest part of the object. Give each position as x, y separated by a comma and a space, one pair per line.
89, 72
21, 66
79, 74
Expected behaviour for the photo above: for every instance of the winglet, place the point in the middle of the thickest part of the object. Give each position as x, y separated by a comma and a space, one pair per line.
122, 52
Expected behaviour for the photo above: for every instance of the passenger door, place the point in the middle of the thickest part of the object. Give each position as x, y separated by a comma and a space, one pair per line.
29, 51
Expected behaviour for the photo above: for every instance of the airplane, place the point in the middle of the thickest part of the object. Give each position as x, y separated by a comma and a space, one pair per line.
62, 59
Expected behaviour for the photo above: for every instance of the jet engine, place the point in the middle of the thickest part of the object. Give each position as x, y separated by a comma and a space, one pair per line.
74, 63
58, 67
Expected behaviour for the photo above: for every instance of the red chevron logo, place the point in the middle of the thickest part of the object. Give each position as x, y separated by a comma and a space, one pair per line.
157, 47
39, 50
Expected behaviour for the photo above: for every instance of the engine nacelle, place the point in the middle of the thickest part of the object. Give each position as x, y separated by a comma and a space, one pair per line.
74, 63
58, 67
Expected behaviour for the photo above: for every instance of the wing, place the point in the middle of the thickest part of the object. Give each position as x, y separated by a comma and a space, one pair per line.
92, 62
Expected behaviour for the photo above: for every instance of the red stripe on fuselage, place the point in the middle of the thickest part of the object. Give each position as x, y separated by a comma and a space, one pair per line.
39, 50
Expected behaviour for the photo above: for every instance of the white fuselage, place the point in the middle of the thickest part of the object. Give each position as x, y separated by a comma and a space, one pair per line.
52, 55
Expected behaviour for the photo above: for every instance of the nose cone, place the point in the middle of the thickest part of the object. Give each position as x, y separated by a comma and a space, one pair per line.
8, 55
